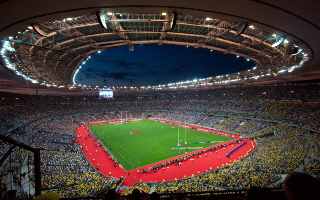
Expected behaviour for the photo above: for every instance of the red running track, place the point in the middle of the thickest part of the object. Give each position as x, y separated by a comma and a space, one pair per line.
100, 159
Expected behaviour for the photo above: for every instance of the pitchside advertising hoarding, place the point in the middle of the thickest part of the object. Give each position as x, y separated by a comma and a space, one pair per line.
106, 93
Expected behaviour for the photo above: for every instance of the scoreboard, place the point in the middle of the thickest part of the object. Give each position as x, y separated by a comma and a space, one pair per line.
106, 93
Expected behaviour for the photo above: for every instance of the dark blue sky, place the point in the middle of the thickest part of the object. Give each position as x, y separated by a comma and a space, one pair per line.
154, 64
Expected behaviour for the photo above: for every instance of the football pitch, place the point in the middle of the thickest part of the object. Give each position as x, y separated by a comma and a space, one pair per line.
138, 143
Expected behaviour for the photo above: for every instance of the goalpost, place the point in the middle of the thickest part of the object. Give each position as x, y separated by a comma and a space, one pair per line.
178, 142
185, 135
123, 119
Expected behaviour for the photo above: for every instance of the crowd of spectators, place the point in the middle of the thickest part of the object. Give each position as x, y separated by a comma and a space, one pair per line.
284, 120
180, 159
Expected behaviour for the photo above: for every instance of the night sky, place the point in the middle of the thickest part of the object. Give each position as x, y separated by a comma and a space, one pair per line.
154, 64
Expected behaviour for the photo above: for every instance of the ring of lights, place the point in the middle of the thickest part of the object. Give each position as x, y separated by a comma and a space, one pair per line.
51, 53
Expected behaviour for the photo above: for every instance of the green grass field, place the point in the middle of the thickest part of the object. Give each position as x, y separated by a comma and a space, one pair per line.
143, 142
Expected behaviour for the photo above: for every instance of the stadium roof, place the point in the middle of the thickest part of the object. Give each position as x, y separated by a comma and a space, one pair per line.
46, 42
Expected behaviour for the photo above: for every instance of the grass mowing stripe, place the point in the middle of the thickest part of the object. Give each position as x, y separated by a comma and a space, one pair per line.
143, 142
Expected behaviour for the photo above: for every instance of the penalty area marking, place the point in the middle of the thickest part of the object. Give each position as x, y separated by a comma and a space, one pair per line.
215, 141
174, 148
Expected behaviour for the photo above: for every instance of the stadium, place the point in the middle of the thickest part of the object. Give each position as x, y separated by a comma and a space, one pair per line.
140, 99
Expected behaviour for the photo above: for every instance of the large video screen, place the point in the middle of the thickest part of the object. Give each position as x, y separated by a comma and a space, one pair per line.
106, 93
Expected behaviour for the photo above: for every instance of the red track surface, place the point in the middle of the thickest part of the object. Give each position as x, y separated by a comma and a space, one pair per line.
102, 161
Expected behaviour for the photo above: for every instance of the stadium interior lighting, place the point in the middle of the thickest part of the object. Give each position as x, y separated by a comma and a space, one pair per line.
5, 52
298, 52
277, 43
252, 27
109, 13
208, 19
68, 19
163, 13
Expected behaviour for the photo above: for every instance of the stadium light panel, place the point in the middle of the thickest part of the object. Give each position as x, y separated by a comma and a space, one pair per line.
103, 16
300, 50
252, 27
277, 43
